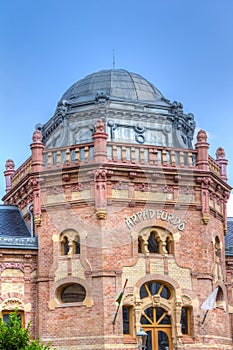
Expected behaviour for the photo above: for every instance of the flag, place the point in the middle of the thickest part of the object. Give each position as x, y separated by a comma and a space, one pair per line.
209, 303
119, 298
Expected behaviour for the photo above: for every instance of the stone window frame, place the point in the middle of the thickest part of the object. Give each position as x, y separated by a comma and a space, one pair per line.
130, 318
217, 257
15, 302
19, 312
163, 237
179, 298
55, 301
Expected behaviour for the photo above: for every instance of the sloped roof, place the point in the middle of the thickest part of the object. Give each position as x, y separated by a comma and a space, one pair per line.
229, 237
14, 232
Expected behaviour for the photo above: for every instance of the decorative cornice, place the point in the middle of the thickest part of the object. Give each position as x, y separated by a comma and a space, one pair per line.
19, 242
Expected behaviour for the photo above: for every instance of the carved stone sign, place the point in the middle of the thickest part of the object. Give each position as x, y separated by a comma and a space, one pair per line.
149, 214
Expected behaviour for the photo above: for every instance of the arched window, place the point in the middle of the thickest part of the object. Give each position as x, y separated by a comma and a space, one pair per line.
218, 272
72, 293
70, 243
217, 248
220, 303
151, 288
156, 240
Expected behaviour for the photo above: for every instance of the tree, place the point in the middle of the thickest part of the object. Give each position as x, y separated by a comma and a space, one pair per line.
14, 337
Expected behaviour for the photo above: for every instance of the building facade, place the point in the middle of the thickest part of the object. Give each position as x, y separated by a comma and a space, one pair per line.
115, 195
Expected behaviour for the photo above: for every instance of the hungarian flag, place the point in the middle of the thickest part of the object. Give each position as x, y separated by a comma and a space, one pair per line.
209, 303
119, 298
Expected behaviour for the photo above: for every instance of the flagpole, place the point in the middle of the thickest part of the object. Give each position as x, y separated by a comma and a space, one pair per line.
119, 301
115, 316
204, 317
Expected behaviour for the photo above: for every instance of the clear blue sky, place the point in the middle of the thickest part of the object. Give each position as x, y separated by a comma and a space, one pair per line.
184, 47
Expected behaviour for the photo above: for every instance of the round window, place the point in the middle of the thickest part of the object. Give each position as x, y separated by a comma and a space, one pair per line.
73, 293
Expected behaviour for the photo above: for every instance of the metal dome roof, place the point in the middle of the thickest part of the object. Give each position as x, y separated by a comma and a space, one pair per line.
116, 84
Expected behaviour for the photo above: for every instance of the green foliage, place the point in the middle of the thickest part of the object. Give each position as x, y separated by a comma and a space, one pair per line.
14, 337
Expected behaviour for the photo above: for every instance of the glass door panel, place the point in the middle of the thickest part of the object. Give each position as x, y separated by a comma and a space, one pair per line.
163, 341
149, 341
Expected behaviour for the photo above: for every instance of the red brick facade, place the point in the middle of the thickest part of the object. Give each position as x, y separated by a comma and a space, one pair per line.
111, 207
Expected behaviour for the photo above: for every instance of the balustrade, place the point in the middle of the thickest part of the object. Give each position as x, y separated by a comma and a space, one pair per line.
140, 154
21, 172
163, 156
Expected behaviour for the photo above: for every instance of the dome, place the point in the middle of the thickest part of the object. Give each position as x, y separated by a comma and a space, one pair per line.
114, 84
133, 111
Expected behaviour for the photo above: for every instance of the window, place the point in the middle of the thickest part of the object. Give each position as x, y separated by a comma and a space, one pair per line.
154, 288
185, 320
127, 319
220, 299
153, 245
217, 248
76, 245
70, 244
65, 246
6, 316
169, 247
139, 245
72, 293
155, 241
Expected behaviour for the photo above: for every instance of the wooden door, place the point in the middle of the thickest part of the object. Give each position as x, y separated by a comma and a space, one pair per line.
157, 324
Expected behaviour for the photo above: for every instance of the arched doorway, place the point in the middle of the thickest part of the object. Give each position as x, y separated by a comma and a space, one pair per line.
155, 318
157, 324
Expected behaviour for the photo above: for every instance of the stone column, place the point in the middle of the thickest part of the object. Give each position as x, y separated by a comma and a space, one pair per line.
37, 148
10, 169
100, 142
101, 193
222, 162
202, 151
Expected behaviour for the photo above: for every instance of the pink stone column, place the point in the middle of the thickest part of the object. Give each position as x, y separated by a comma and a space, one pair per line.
101, 193
37, 148
202, 148
222, 162
10, 169
100, 142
